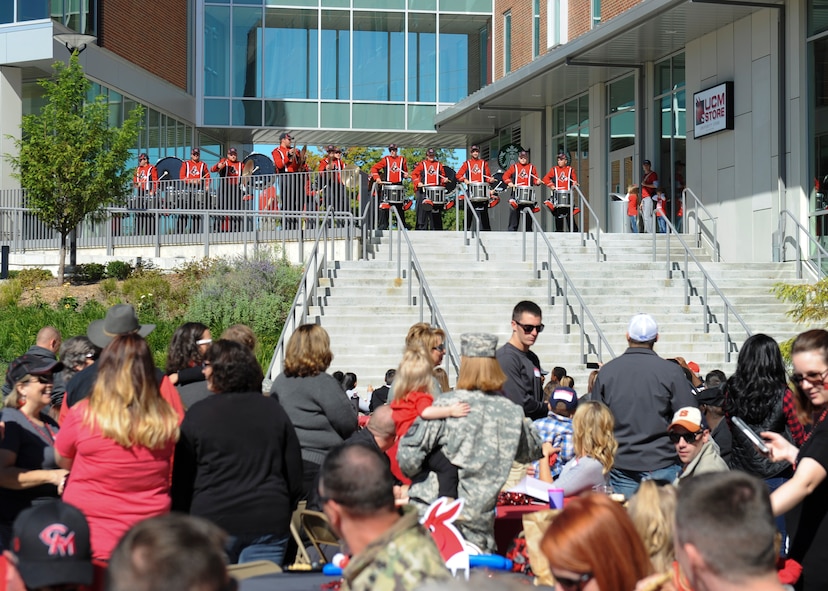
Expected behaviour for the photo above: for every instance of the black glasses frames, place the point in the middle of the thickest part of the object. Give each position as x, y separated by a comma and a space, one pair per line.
688, 437
528, 328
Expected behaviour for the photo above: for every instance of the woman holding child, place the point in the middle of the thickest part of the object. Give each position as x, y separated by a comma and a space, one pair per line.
482, 445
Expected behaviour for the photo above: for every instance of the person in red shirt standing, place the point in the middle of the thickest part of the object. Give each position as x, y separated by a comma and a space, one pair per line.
649, 185
146, 184
289, 164
390, 170
229, 193
195, 177
332, 190
476, 170
521, 174
428, 173
561, 178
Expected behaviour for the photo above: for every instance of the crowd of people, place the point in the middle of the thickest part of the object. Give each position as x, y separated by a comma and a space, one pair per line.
672, 480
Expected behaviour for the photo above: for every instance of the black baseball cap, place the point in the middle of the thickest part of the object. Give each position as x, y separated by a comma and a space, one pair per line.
392, 146
475, 148
431, 152
647, 162
196, 151
32, 365
143, 156
523, 154
51, 543
285, 135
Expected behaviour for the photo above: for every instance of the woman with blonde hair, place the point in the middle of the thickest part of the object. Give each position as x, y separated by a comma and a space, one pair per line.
313, 400
595, 447
593, 546
118, 445
652, 510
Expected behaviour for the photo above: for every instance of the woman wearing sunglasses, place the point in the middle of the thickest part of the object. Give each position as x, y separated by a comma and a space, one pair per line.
808, 486
594, 546
28, 472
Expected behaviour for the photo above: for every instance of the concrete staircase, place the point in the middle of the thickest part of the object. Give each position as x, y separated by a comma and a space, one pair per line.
366, 311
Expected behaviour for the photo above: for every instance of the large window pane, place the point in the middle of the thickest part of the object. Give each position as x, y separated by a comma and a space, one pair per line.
247, 52
622, 131
29, 10
622, 94
291, 41
216, 51
378, 56
296, 114
216, 112
247, 113
421, 117
337, 115
422, 58
817, 16
336, 42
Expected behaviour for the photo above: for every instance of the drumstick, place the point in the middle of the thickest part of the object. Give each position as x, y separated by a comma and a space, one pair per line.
166, 172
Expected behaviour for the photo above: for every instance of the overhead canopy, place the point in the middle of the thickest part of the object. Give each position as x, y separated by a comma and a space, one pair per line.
647, 32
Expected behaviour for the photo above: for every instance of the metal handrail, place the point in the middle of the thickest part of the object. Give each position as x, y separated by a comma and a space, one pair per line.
730, 344
475, 233
700, 229
592, 216
424, 294
820, 250
316, 267
564, 291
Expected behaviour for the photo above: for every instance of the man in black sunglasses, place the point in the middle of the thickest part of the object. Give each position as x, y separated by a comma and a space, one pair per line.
696, 450
525, 384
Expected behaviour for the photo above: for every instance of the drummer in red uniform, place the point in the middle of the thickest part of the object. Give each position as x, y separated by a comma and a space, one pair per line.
390, 170
195, 176
332, 189
145, 182
288, 163
561, 177
229, 193
520, 174
477, 171
428, 173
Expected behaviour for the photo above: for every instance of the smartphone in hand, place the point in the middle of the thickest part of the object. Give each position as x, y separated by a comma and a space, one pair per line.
752, 436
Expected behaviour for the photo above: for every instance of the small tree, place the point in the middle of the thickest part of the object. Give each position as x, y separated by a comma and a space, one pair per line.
69, 160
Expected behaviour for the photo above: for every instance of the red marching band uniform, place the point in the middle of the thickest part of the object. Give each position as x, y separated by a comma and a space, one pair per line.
146, 179
478, 172
428, 173
395, 169
524, 175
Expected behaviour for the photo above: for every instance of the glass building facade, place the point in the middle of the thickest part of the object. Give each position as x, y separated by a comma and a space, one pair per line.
340, 64
78, 15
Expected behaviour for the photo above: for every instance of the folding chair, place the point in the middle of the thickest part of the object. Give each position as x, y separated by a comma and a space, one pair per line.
319, 531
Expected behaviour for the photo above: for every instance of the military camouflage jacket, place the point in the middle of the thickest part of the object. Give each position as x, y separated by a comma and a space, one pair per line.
402, 559
482, 445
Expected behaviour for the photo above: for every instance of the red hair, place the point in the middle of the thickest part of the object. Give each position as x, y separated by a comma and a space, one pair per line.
594, 534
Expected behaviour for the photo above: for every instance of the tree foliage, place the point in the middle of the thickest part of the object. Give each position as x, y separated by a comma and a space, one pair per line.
70, 161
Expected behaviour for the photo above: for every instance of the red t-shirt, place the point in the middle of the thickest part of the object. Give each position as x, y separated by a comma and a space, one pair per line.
632, 204
115, 487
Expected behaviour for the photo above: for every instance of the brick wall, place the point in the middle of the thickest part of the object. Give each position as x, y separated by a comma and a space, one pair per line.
151, 34
522, 31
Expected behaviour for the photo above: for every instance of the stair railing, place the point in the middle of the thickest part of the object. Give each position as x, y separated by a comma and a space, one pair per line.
317, 266
702, 231
474, 233
413, 271
821, 254
707, 285
565, 288
593, 217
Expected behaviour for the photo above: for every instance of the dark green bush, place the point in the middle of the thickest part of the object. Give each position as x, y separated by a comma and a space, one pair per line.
118, 270
88, 273
29, 278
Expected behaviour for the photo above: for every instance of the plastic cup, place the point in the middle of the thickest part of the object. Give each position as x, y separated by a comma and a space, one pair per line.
556, 498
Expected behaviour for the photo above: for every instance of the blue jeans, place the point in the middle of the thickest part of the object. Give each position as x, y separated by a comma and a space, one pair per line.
773, 484
633, 224
662, 224
626, 482
249, 548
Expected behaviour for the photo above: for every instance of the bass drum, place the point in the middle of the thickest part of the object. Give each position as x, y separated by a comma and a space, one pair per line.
260, 169
168, 168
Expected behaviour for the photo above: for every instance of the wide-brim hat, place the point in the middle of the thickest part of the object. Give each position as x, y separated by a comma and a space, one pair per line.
120, 319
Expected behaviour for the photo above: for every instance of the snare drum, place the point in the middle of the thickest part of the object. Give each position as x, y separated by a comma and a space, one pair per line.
437, 195
478, 192
563, 198
524, 195
393, 193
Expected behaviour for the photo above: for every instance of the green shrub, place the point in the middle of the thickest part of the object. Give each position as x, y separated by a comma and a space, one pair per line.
68, 303
109, 287
29, 278
146, 290
118, 269
10, 292
88, 273
257, 292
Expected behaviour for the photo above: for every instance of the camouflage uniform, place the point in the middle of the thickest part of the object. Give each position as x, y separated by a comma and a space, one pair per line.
402, 559
482, 445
